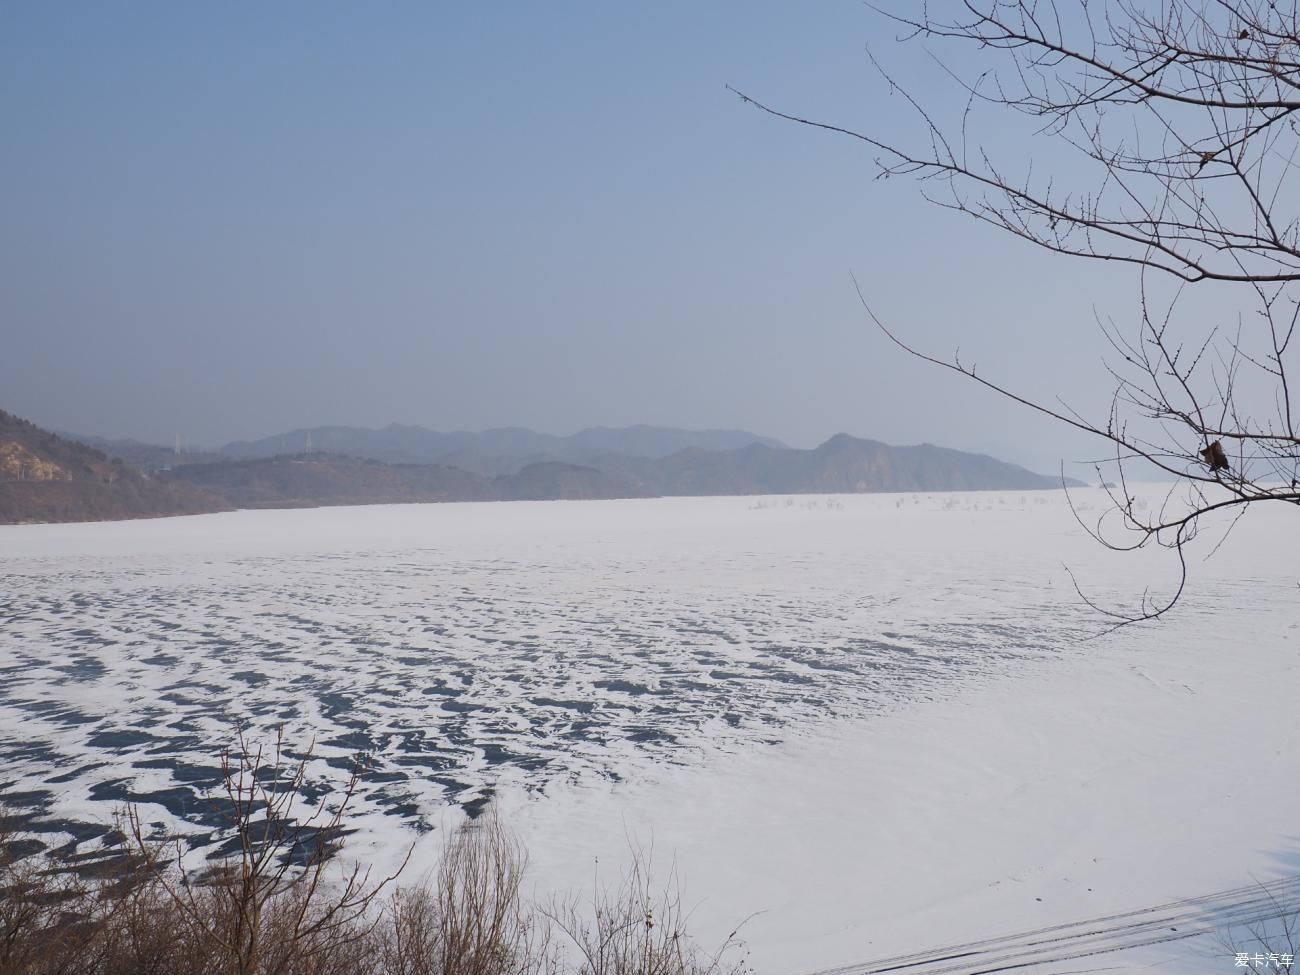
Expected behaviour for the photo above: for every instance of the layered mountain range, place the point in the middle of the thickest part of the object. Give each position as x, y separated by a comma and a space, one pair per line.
505, 450
50, 477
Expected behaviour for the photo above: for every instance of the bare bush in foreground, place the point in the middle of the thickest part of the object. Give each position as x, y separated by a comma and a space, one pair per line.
280, 904
472, 921
638, 928
271, 908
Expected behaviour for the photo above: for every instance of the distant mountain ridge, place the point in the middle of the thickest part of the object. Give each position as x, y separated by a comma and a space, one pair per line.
145, 456
312, 480
505, 450
47, 477
842, 465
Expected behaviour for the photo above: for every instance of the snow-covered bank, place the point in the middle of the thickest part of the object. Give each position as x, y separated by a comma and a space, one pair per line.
1153, 764
875, 719
1135, 773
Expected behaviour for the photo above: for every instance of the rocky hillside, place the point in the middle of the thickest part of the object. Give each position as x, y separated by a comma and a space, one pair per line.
45, 477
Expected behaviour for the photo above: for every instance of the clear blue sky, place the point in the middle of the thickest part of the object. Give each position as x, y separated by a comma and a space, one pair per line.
228, 220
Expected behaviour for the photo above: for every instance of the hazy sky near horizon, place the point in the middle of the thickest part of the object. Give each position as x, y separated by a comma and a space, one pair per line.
227, 221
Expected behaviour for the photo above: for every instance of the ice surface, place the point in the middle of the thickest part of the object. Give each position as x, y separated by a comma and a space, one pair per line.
883, 721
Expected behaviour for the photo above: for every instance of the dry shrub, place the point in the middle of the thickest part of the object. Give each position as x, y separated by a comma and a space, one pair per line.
639, 928
472, 920
280, 904
47, 919
271, 908
146, 933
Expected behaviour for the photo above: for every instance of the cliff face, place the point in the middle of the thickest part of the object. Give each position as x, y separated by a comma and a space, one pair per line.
45, 477
18, 463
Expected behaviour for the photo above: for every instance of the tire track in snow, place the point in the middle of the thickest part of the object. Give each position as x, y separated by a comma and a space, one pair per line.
1174, 921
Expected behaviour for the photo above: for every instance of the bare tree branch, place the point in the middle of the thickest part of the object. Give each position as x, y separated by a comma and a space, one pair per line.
1180, 121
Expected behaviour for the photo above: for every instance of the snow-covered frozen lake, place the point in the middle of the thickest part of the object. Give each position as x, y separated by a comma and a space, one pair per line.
886, 722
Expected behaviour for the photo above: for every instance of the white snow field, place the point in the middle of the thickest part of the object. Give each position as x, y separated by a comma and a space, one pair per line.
885, 726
